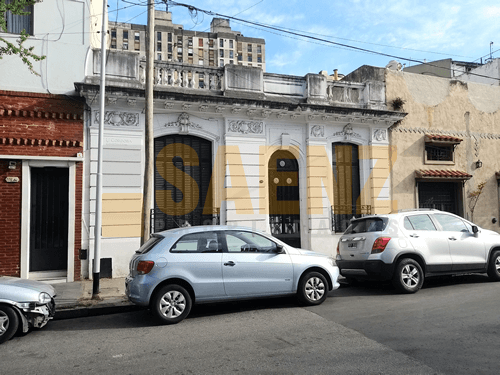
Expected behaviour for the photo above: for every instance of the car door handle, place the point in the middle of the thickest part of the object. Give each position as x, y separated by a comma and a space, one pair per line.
452, 238
414, 235
230, 263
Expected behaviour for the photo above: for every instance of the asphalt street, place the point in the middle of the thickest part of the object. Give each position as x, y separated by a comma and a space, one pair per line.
449, 327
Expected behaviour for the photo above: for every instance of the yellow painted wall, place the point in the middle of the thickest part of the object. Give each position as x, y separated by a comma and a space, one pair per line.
121, 214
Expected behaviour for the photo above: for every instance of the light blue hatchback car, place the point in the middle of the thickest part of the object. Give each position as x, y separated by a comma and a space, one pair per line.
179, 267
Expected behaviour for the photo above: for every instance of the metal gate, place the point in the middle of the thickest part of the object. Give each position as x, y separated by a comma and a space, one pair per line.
284, 204
439, 195
183, 196
49, 219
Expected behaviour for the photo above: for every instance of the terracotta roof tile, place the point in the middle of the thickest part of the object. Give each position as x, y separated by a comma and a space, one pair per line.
433, 173
442, 138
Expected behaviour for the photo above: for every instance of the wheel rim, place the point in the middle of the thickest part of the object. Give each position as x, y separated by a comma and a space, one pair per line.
315, 288
410, 276
4, 323
172, 304
497, 264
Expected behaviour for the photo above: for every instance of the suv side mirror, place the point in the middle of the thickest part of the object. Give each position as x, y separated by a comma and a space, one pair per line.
279, 249
475, 229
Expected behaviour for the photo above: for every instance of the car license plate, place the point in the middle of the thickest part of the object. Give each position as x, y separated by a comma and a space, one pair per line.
352, 245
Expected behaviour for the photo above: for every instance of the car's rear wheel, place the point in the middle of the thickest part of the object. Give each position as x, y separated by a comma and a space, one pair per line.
408, 276
313, 289
171, 304
494, 266
9, 321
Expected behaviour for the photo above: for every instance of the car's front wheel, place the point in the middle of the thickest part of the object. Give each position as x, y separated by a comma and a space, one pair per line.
313, 289
171, 304
9, 321
494, 266
408, 276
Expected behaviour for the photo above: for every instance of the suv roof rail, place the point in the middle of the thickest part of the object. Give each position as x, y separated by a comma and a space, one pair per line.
417, 209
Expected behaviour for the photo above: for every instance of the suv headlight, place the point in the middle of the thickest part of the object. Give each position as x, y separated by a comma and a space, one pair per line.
332, 261
44, 298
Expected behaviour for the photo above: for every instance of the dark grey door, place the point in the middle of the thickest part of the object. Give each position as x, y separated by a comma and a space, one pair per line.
49, 219
183, 195
439, 195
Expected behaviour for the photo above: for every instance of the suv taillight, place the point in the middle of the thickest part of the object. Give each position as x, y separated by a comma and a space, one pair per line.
380, 244
145, 266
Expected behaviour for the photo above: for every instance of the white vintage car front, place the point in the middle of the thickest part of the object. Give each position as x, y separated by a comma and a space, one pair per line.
24, 304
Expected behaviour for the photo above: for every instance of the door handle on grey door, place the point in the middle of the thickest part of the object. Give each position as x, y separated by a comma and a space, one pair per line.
452, 238
230, 263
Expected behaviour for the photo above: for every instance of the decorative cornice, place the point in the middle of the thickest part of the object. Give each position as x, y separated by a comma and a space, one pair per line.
454, 133
38, 114
40, 142
318, 131
246, 127
348, 133
115, 118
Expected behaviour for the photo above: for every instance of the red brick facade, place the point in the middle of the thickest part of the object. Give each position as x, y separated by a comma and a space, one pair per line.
33, 124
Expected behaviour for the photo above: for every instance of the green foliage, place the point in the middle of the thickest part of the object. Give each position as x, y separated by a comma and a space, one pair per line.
7, 48
474, 197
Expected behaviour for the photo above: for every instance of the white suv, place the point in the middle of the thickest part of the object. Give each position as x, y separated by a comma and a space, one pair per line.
408, 246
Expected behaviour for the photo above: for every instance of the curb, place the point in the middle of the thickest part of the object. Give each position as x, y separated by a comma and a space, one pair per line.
100, 309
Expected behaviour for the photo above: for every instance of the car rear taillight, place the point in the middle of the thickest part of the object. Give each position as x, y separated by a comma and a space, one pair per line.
338, 248
380, 244
145, 266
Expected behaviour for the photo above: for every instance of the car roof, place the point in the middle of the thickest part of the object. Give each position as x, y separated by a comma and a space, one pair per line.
395, 215
206, 228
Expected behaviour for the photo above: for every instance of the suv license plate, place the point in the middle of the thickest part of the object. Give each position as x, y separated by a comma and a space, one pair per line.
352, 245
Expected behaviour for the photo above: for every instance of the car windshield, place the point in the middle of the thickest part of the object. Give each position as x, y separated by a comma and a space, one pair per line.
366, 225
149, 244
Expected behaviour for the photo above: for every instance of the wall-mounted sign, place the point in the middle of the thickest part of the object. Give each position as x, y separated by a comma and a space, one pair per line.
12, 179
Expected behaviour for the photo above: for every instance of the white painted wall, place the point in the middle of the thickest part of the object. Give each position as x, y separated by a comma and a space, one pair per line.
62, 34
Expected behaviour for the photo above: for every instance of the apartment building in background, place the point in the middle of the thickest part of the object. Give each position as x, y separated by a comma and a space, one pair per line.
216, 48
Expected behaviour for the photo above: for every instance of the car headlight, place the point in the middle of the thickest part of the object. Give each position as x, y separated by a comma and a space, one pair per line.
332, 261
44, 298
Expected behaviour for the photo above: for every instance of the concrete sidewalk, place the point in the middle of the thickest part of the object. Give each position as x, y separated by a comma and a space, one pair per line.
74, 300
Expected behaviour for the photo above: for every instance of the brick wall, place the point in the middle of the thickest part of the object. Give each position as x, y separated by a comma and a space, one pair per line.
35, 124
10, 220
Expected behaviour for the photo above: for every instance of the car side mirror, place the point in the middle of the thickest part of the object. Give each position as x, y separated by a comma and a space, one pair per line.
279, 249
475, 229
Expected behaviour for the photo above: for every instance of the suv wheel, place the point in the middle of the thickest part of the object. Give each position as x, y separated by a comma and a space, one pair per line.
171, 304
8, 323
408, 276
494, 266
313, 289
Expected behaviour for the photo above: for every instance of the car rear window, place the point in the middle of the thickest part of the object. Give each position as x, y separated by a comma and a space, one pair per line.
372, 224
149, 244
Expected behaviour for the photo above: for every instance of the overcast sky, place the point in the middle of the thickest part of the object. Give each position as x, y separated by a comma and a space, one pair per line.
418, 30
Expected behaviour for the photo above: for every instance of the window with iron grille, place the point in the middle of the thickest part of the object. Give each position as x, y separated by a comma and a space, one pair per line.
16, 23
438, 152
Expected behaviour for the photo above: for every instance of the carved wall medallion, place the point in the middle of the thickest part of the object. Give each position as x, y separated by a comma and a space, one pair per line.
110, 100
266, 113
246, 127
183, 123
318, 131
169, 105
235, 110
293, 116
186, 106
347, 133
203, 108
251, 112
380, 135
114, 118
219, 109
280, 115
131, 102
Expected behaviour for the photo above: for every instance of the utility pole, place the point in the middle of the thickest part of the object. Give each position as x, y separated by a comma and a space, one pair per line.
98, 205
148, 145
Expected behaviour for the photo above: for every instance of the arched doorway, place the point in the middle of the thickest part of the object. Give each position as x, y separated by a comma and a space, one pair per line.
284, 203
183, 169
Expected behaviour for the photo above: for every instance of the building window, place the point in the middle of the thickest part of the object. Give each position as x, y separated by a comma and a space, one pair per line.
190, 60
190, 41
179, 50
221, 53
169, 37
137, 36
125, 45
15, 23
240, 57
200, 42
158, 56
158, 46
231, 62
221, 43
231, 44
231, 54
113, 34
200, 54
249, 48
169, 56
190, 52
259, 59
125, 34
158, 36
169, 48
440, 149
137, 41
221, 63
113, 44
179, 41
249, 58
211, 43
259, 48
200, 62
240, 47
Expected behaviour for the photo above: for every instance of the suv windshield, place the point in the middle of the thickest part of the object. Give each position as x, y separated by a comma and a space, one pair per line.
373, 224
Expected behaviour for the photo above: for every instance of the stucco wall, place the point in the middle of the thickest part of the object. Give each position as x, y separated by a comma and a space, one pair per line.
442, 106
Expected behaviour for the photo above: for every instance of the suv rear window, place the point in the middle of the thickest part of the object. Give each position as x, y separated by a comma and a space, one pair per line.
367, 225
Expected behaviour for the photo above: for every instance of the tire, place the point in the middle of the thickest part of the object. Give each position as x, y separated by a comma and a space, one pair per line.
171, 304
9, 322
494, 266
408, 276
313, 289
